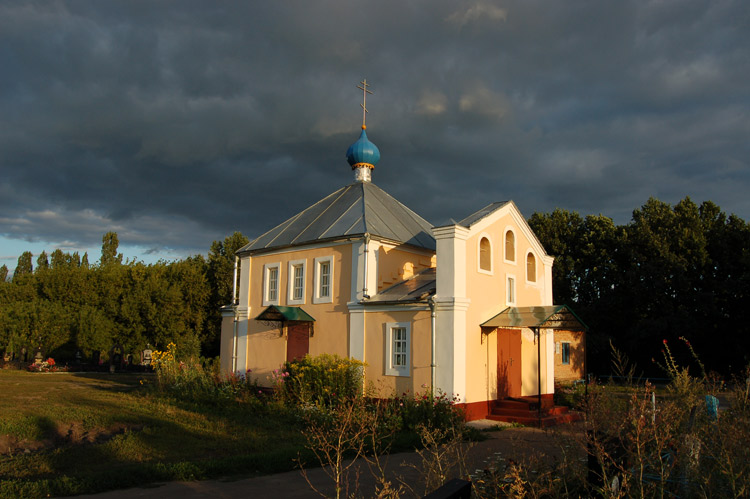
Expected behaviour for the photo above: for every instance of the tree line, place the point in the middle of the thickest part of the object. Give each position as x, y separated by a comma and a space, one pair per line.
63, 304
672, 272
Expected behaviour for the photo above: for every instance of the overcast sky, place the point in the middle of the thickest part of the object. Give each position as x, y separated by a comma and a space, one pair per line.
177, 123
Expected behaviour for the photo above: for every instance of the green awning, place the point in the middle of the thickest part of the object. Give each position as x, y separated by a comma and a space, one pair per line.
552, 317
284, 314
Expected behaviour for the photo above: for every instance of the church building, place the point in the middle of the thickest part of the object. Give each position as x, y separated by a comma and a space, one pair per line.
464, 308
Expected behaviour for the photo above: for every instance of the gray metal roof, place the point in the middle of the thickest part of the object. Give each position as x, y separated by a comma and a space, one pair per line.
478, 215
417, 288
353, 210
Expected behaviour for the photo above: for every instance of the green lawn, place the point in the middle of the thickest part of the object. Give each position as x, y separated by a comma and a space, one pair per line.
72, 433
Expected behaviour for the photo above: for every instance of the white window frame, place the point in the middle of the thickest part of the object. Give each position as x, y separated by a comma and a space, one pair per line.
290, 298
390, 369
479, 255
317, 297
515, 246
510, 289
536, 268
267, 283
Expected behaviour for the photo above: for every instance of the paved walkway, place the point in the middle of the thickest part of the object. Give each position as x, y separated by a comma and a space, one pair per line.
514, 443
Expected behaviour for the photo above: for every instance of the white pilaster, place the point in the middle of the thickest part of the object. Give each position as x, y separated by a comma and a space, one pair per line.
452, 304
244, 284
242, 325
358, 270
450, 346
357, 332
547, 264
372, 267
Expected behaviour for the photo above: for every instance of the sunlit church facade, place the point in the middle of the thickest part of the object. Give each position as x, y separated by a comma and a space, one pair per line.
464, 308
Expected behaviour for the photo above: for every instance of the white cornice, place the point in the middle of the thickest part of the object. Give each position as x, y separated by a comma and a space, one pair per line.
450, 231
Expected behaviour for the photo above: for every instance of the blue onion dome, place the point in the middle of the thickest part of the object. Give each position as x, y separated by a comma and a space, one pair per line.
363, 152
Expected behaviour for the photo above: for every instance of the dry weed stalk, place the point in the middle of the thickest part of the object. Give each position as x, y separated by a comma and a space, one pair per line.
442, 457
338, 437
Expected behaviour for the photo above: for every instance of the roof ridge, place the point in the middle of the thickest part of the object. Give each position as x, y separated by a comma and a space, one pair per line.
416, 216
342, 192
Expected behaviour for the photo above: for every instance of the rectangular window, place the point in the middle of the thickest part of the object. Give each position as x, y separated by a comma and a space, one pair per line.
323, 280
398, 348
273, 284
511, 291
297, 282
325, 276
271, 274
565, 352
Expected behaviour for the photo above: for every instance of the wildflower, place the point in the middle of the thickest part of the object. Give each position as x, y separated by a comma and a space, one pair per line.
664, 341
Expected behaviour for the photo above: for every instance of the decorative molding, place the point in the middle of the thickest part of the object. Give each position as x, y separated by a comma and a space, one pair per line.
451, 231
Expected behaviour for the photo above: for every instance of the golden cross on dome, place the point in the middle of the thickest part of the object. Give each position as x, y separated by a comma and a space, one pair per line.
364, 100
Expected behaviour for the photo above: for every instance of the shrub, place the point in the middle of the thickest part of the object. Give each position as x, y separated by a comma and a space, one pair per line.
200, 380
427, 409
325, 380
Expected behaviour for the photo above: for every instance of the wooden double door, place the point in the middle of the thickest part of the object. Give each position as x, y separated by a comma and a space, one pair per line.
297, 341
508, 363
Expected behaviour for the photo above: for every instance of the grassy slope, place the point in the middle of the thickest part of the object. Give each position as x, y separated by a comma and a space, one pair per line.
141, 438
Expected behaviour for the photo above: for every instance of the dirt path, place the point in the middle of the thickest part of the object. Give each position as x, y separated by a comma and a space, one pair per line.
514, 443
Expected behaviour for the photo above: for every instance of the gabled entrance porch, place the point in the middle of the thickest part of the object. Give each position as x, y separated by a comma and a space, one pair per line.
525, 378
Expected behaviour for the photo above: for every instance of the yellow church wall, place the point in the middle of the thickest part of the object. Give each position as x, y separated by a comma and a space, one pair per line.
487, 292
266, 346
395, 265
375, 352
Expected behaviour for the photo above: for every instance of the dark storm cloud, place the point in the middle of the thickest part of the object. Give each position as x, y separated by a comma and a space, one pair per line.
177, 123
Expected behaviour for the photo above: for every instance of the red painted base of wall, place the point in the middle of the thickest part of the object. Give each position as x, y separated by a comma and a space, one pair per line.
480, 410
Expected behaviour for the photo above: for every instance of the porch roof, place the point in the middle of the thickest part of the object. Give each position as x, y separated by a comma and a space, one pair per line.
284, 314
552, 317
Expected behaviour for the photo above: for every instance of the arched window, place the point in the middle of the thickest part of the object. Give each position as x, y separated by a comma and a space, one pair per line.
530, 268
510, 246
485, 255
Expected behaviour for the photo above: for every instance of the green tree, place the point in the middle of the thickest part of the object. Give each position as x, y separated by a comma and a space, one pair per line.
94, 331
42, 263
3, 273
220, 275
560, 233
23, 267
110, 256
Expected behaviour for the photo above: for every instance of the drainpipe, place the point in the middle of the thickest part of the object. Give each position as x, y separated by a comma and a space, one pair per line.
234, 281
234, 342
365, 296
433, 363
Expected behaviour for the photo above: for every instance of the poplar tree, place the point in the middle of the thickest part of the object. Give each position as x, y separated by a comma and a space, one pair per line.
110, 243
42, 263
23, 267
